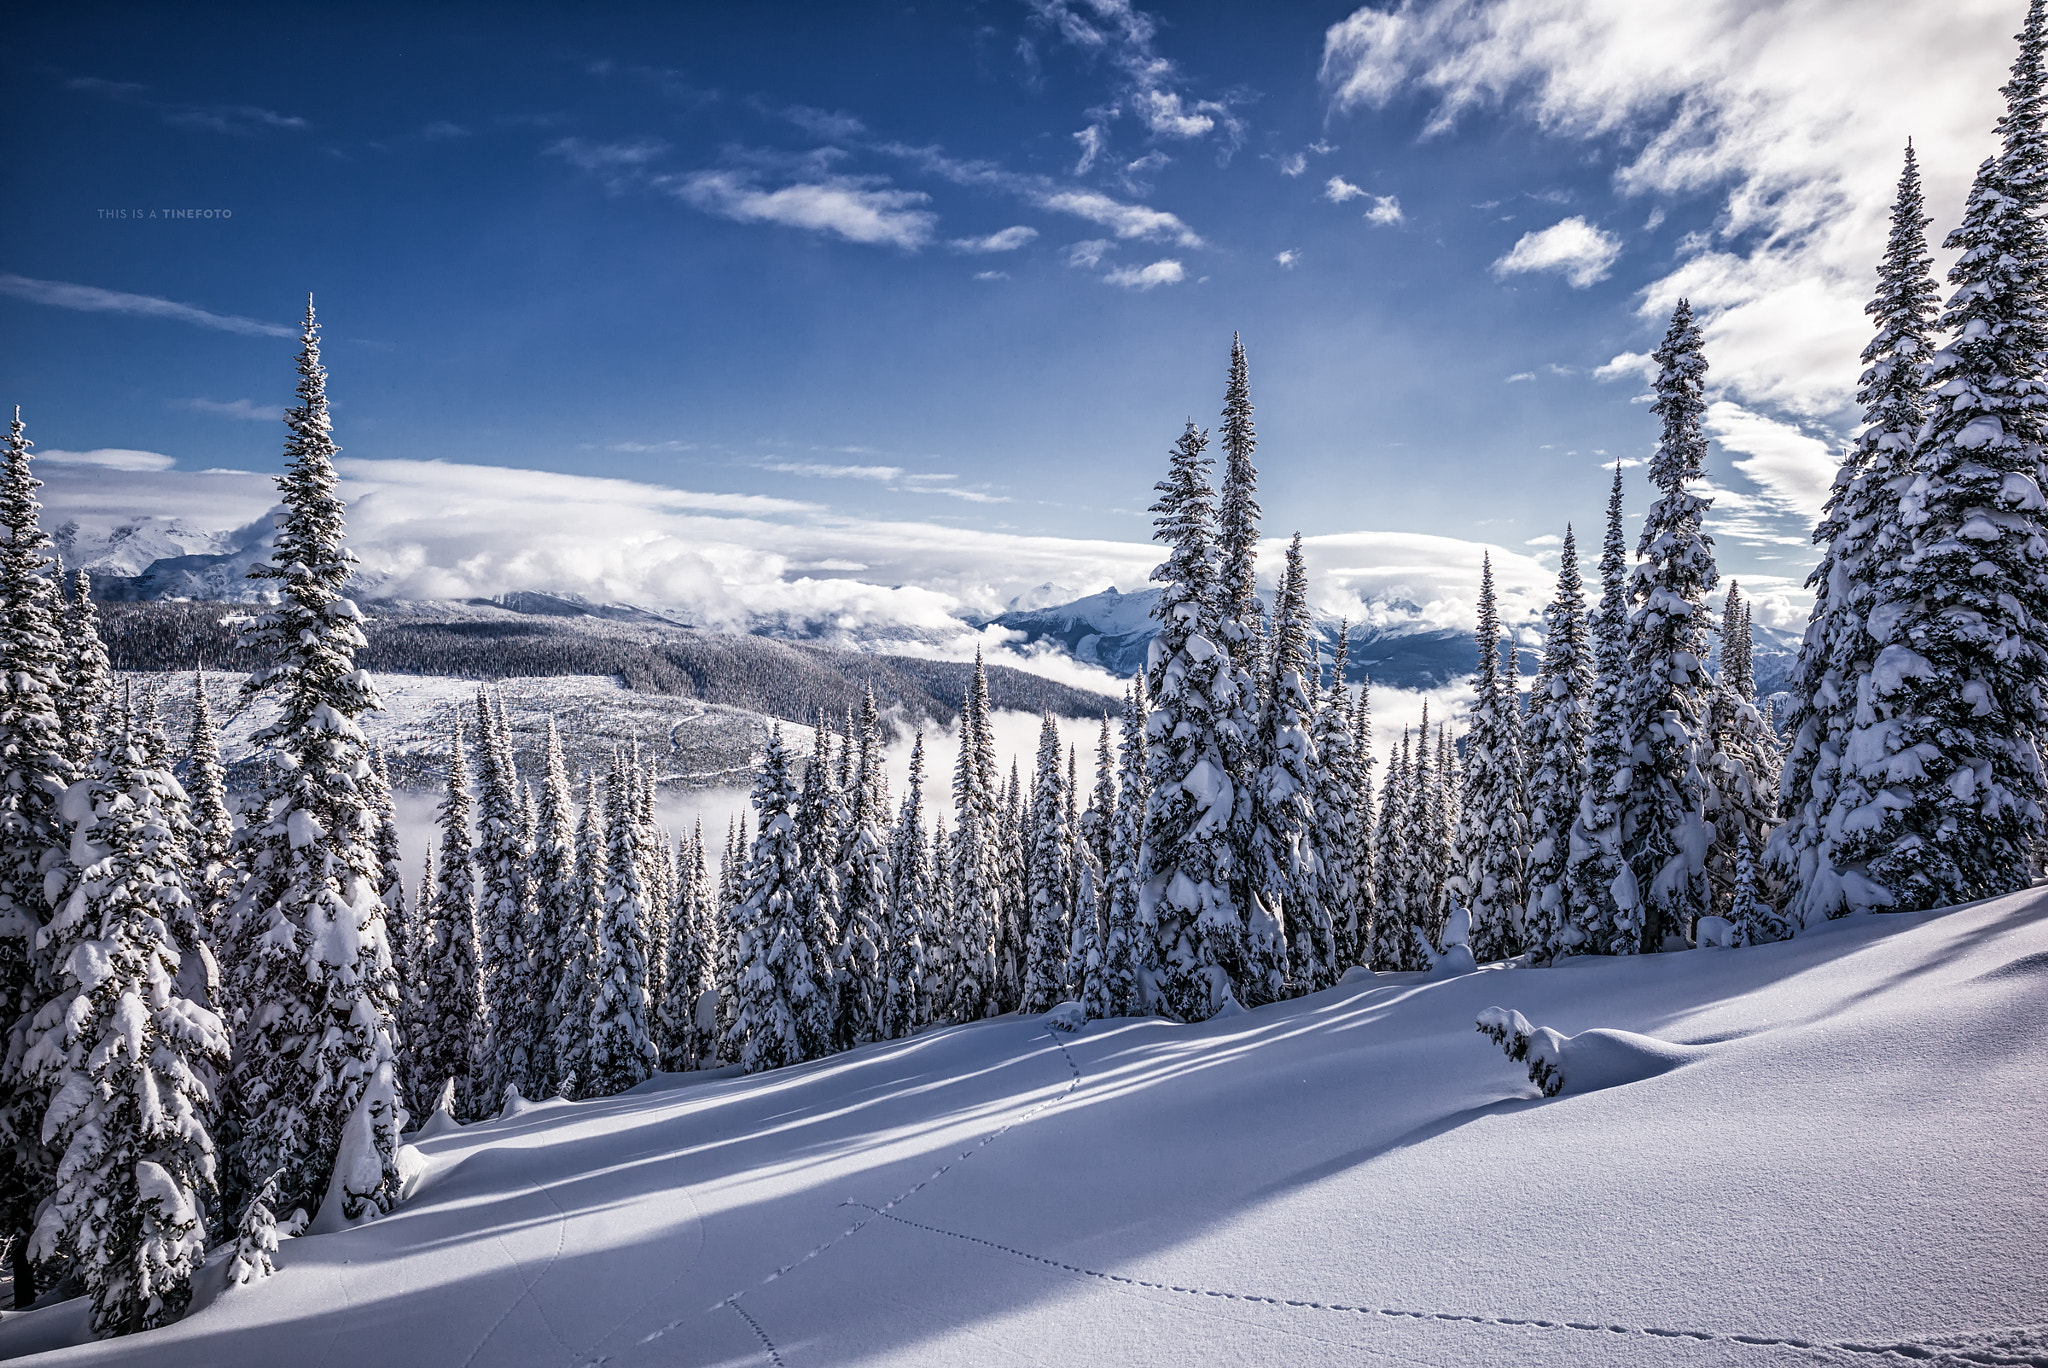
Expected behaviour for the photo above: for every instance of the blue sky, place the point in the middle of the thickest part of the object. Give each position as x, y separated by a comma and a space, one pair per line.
968, 267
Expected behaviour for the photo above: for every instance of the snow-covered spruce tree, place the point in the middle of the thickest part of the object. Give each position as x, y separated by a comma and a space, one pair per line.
87, 678
1603, 914
1492, 840
1237, 522
782, 1017
34, 767
863, 885
398, 923
1951, 712
1013, 926
1195, 741
316, 1071
621, 1041
710, 974
557, 909
505, 913
574, 987
1554, 746
130, 1063
1393, 940
1333, 833
1049, 922
941, 929
211, 882
976, 866
1751, 919
1287, 923
1098, 819
1365, 852
675, 1013
451, 977
1665, 823
1433, 787
1743, 758
819, 821
1130, 967
1094, 831
910, 895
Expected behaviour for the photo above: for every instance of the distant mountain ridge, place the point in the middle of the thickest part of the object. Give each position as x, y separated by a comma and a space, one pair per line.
1113, 630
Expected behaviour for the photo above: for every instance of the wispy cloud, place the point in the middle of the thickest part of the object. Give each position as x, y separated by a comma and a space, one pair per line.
852, 207
1637, 365
1794, 468
1573, 248
1147, 277
1547, 539
238, 120
1087, 255
991, 275
1004, 240
816, 470
895, 477
1337, 190
110, 458
618, 164
1385, 211
1042, 192
1288, 258
443, 131
672, 444
1520, 376
1150, 85
237, 408
92, 299
825, 123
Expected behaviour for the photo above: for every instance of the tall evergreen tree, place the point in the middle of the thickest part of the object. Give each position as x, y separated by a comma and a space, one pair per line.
976, 868
212, 884
1665, 835
782, 1017
1286, 919
557, 908
864, 885
941, 928
575, 986
1393, 925
1333, 835
1908, 504
129, 1062
1554, 745
316, 1071
1013, 925
451, 960
35, 765
87, 688
1196, 739
1131, 969
1366, 851
1602, 912
819, 821
1049, 936
689, 964
505, 912
1492, 840
1742, 761
621, 1038
910, 896
1237, 521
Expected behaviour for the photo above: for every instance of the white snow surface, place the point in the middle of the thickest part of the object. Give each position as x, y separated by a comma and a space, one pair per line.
1849, 1169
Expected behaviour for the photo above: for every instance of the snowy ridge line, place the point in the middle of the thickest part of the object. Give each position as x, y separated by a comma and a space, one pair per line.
1914, 1350
733, 1301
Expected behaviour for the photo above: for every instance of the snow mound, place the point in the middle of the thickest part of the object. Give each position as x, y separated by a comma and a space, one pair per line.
1068, 1016
1586, 1062
1711, 933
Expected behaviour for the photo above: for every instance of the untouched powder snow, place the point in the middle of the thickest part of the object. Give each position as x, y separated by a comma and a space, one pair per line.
1850, 1167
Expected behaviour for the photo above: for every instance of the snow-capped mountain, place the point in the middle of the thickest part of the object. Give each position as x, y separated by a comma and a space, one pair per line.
1113, 630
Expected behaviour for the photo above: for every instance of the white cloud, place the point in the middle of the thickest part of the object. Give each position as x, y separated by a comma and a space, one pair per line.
672, 444
1724, 96
1547, 539
1288, 258
1573, 248
92, 299
883, 474
1042, 192
1146, 277
1124, 220
1386, 210
1795, 469
616, 164
1629, 365
1148, 92
1004, 240
1087, 255
1520, 376
825, 123
1337, 190
1092, 140
107, 458
1293, 163
238, 408
991, 275
853, 208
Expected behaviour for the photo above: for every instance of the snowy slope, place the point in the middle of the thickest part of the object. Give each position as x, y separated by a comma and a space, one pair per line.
1847, 1169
